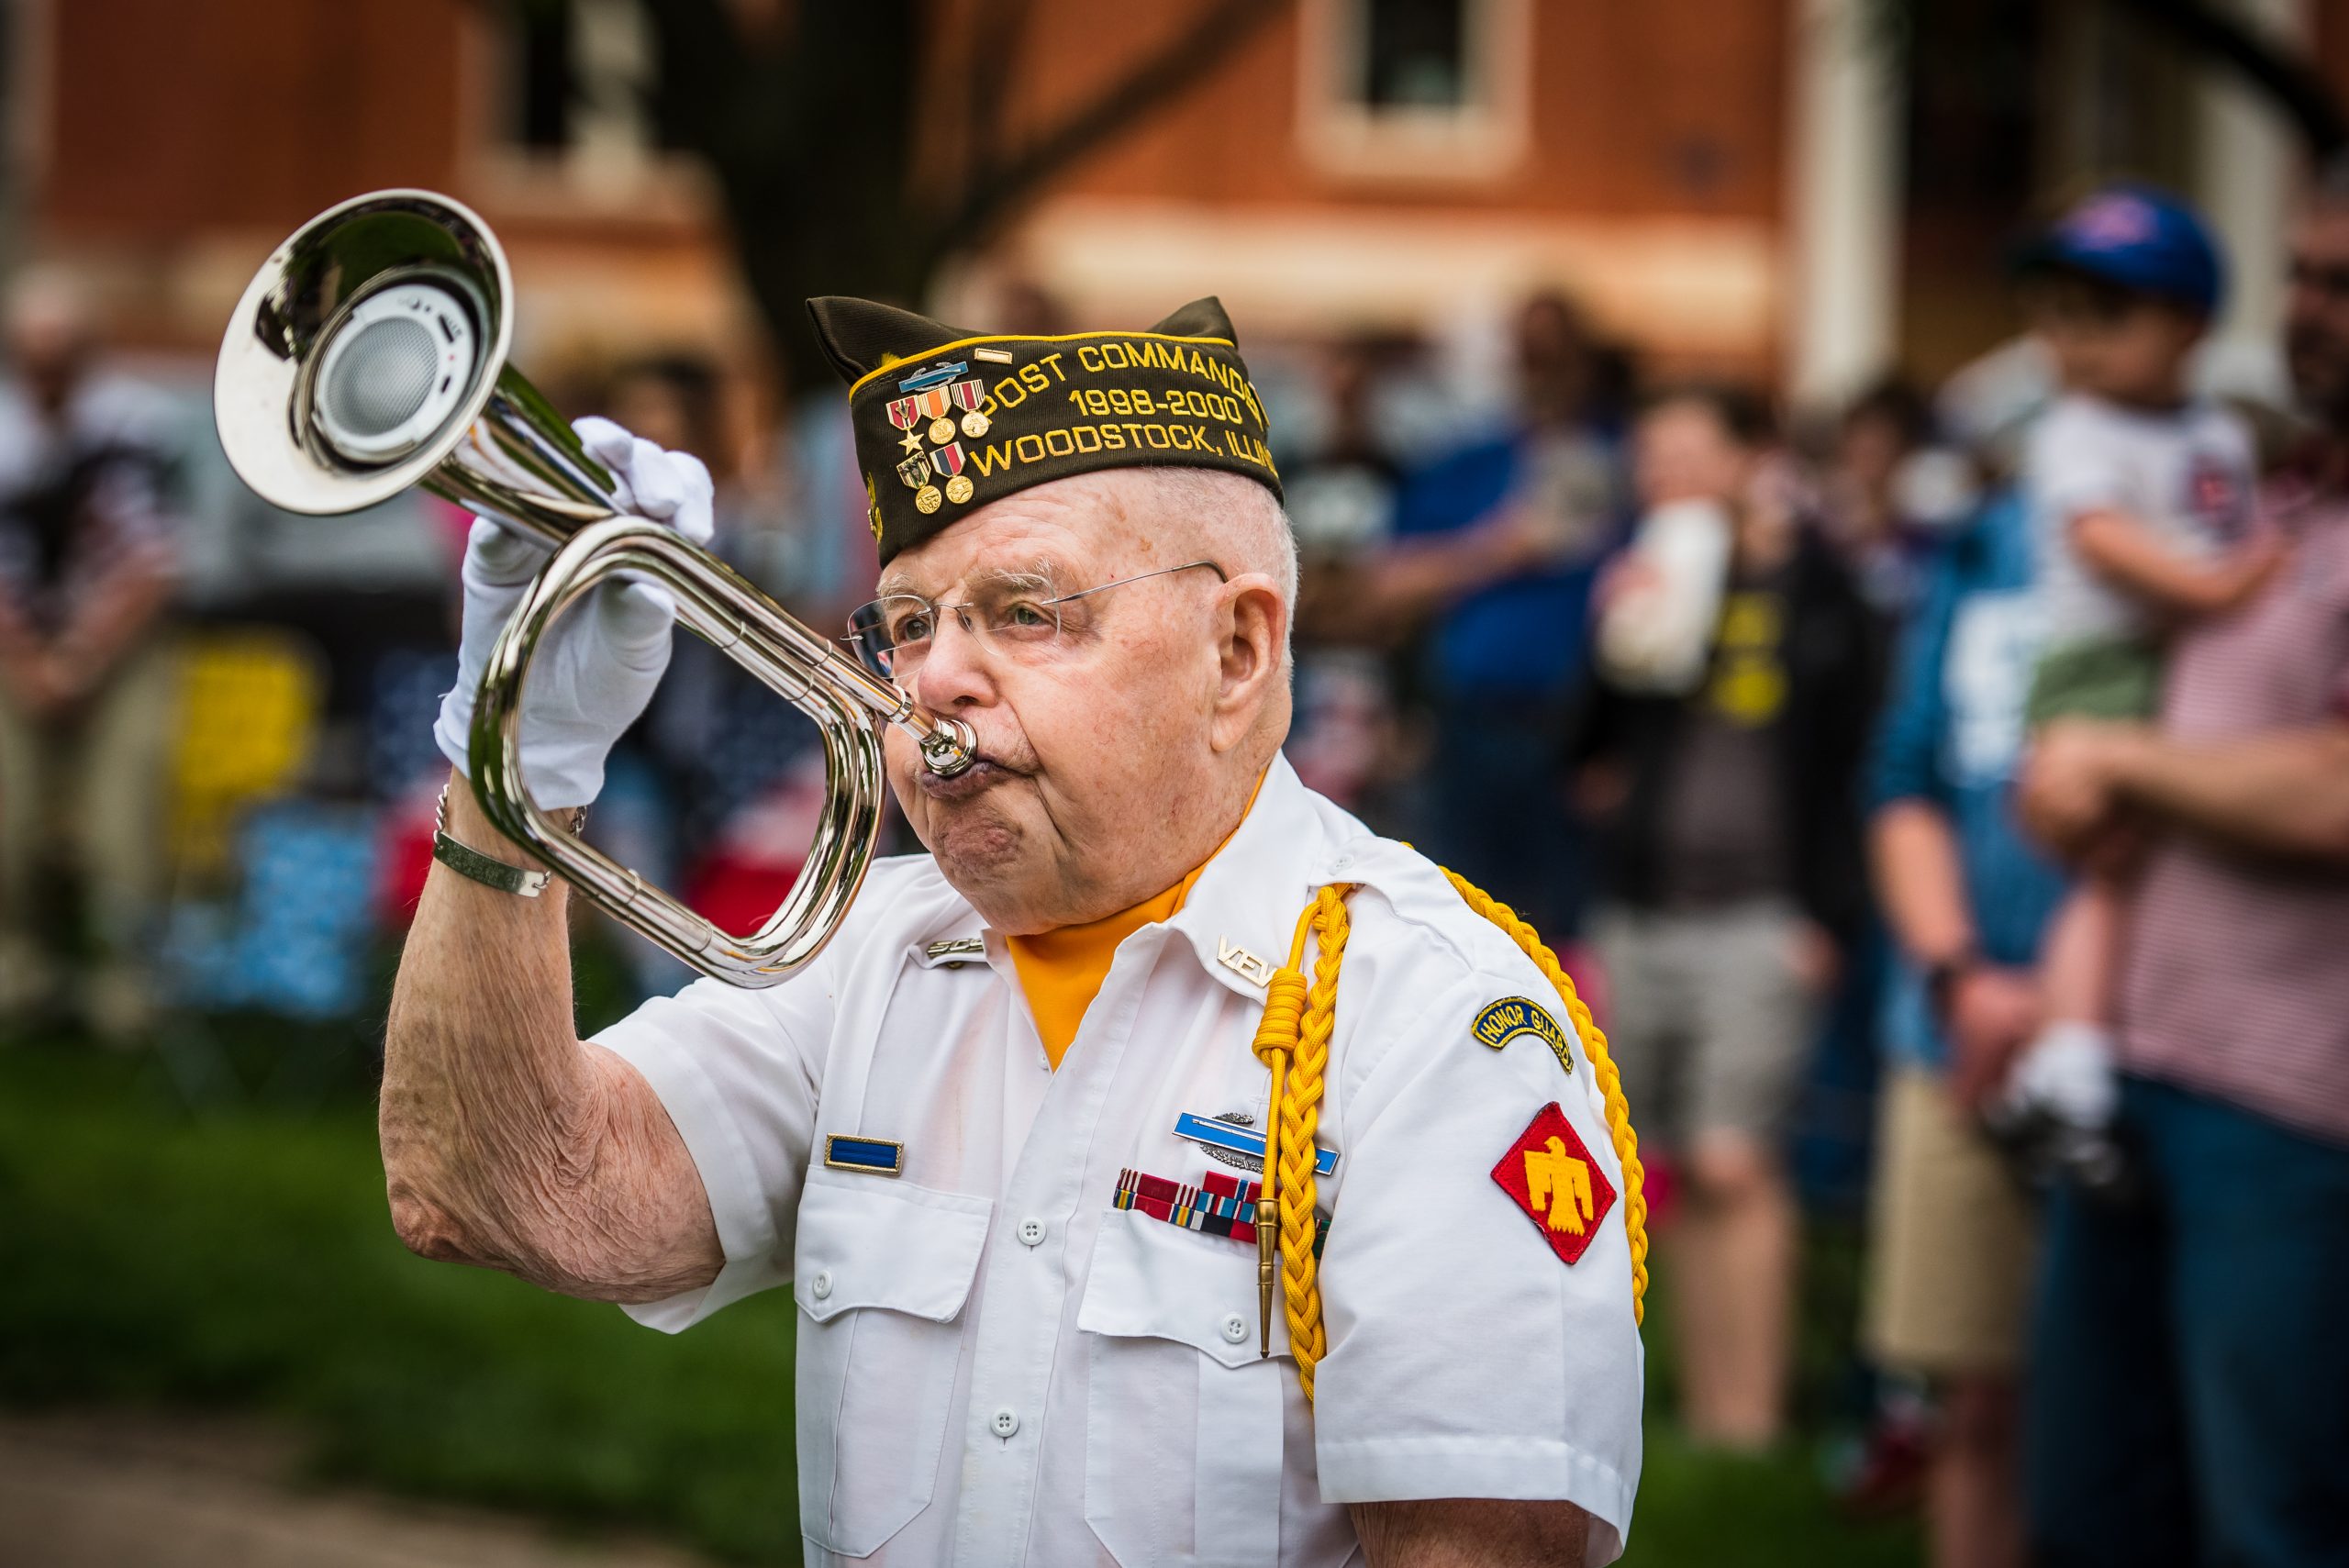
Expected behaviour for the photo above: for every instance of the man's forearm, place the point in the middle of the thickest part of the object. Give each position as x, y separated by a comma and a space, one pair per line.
1422, 574
1471, 1532
508, 1142
2285, 794
1920, 882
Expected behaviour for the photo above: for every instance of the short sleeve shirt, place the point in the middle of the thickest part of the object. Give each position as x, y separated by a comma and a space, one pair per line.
2186, 474
79, 494
1037, 1341
2235, 973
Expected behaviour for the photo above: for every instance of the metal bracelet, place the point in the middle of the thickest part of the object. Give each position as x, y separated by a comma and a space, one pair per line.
488, 870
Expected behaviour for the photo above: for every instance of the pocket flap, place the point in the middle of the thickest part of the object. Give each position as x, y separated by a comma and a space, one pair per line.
899, 1247
1151, 1280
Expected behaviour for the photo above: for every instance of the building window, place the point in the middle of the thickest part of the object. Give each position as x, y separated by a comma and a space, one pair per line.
1424, 89
1415, 53
576, 107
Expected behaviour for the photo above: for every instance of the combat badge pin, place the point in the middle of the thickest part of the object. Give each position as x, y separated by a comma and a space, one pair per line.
1229, 1138
1549, 1174
1512, 1016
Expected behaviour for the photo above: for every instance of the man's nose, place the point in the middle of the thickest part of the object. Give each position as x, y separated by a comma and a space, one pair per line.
955, 674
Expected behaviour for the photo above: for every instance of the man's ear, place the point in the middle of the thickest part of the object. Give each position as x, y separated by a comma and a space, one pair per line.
1251, 636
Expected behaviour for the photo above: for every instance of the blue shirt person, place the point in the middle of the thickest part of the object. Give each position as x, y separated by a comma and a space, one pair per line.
1950, 738
1495, 548
1963, 895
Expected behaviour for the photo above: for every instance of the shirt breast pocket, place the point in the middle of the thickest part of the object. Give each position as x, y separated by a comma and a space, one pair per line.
881, 1274
1177, 1392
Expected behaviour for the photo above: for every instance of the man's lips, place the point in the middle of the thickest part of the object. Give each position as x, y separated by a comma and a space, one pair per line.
977, 779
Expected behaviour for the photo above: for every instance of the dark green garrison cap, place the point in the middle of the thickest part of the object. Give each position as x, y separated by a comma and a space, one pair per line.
948, 421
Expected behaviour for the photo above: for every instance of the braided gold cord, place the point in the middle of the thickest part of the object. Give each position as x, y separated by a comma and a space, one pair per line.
1293, 1042
1611, 1078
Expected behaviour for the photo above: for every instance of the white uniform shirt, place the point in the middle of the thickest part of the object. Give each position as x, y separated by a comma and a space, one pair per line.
2186, 474
997, 1365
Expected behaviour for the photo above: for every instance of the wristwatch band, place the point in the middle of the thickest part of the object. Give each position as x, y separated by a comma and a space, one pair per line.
1941, 978
490, 871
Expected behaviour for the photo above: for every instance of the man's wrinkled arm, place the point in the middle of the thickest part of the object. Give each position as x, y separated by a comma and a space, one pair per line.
1471, 1532
508, 1142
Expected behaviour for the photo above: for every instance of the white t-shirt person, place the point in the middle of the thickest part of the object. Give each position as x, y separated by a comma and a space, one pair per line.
2183, 474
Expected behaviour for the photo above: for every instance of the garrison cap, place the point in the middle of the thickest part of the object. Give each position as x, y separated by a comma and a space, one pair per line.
947, 420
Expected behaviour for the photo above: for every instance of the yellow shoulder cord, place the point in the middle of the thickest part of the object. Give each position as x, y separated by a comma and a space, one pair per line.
1293, 1040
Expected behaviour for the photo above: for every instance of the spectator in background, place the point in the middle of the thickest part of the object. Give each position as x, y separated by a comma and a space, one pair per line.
1496, 543
2189, 1392
1887, 494
1965, 896
1729, 857
1341, 495
2141, 498
86, 569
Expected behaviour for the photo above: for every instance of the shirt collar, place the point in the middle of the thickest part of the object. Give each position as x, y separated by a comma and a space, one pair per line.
1242, 911
1240, 914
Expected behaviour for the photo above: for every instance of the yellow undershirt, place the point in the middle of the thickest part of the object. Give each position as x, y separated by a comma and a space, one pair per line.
1061, 972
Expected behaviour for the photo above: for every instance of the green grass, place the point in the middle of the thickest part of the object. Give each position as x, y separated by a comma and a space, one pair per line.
243, 1260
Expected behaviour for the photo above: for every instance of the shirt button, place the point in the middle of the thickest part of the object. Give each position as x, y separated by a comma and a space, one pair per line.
820, 1286
1007, 1421
1235, 1327
1031, 1231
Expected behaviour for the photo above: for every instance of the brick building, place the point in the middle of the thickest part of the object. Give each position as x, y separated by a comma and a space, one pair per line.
1760, 185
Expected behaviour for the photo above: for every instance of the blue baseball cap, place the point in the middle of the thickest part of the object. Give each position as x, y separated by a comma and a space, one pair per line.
2139, 238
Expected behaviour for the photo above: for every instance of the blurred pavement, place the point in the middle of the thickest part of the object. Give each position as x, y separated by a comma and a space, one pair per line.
136, 1491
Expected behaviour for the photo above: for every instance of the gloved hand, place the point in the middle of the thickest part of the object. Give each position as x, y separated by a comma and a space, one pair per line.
595, 671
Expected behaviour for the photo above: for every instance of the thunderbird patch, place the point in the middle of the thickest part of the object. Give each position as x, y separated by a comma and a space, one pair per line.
1551, 1175
1512, 1016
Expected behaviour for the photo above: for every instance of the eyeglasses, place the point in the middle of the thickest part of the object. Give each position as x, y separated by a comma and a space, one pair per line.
1019, 613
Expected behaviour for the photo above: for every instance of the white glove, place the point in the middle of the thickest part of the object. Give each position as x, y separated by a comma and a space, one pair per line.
2067, 1072
597, 671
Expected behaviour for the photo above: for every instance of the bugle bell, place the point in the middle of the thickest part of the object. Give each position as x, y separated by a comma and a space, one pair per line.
367, 356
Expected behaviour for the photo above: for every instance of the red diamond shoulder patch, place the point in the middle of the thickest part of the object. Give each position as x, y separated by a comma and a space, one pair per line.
1553, 1179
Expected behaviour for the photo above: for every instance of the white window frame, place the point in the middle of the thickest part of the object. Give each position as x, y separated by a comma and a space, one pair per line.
1482, 139
610, 166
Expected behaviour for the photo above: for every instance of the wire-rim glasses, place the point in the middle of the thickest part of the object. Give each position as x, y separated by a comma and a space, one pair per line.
1019, 612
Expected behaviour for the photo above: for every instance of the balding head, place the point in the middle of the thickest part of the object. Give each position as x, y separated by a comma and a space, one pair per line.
1119, 752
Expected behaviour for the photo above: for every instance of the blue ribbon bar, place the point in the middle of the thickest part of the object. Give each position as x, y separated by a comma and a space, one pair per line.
877, 1156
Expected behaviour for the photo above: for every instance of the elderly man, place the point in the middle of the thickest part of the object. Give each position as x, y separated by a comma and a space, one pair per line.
1003, 1139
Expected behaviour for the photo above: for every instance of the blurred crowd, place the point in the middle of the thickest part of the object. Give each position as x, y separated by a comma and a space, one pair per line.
1973, 753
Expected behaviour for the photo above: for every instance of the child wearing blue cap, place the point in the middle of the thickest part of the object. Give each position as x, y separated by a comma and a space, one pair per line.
2140, 505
